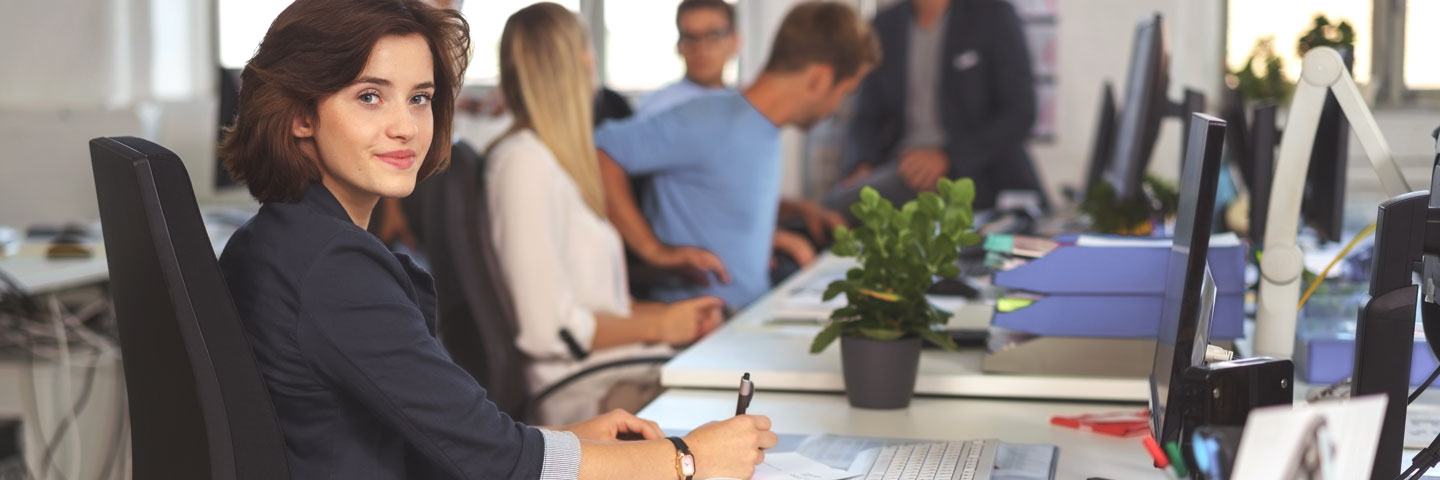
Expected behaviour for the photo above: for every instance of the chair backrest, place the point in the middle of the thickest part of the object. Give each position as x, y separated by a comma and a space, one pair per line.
477, 321
199, 407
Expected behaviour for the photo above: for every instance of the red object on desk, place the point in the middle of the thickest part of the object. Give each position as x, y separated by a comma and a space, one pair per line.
1156, 453
1124, 424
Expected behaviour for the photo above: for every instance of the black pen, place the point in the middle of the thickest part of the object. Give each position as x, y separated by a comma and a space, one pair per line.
747, 391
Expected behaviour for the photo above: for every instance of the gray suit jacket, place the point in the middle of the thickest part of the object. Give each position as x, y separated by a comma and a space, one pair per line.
987, 96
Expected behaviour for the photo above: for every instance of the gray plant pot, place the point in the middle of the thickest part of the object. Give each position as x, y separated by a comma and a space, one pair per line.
880, 374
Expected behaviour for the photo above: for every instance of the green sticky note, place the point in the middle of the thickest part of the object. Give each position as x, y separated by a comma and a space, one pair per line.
999, 243
1007, 305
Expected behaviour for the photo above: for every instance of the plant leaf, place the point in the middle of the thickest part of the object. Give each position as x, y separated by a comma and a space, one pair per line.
835, 289
882, 334
948, 270
964, 191
939, 339
826, 337
969, 239
869, 196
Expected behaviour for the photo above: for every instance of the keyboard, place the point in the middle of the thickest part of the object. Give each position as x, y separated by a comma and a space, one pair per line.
967, 460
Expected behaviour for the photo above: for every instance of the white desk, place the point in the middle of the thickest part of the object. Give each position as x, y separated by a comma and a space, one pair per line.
39, 275
781, 355
1082, 455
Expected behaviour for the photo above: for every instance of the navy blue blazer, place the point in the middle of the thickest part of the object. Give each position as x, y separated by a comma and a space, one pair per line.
987, 96
344, 332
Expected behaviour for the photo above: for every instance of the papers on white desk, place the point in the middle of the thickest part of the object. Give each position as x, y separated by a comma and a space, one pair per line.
1342, 435
1422, 425
793, 466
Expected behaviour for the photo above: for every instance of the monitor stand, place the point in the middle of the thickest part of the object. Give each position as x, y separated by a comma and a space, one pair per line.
1282, 263
1224, 393
1407, 235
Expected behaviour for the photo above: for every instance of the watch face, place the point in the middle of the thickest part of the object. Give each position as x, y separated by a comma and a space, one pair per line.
687, 464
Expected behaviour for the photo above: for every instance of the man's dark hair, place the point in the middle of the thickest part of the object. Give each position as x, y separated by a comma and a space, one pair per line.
687, 6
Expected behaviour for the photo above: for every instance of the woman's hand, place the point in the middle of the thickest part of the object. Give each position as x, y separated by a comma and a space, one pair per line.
610, 427
682, 323
732, 448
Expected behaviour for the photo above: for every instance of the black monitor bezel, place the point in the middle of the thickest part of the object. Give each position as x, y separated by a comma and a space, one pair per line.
1180, 317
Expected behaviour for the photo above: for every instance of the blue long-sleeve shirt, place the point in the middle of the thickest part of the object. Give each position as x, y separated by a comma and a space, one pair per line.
344, 333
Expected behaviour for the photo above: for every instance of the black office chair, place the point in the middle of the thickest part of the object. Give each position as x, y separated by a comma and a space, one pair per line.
477, 321
199, 407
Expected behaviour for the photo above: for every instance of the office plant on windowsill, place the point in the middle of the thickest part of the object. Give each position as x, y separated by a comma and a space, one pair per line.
886, 315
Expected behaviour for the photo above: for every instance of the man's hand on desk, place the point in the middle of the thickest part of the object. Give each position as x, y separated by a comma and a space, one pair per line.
684, 322
795, 246
731, 448
700, 263
610, 427
921, 168
819, 221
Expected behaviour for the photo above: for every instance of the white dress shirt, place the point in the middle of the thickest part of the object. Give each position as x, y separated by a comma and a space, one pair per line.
564, 265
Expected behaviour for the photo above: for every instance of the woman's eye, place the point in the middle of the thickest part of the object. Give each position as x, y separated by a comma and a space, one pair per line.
420, 99
369, 98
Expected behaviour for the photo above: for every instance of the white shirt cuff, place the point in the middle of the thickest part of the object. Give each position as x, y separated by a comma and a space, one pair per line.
562, 456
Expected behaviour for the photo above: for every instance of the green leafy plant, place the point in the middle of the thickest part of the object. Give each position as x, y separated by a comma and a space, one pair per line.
1326, 34
1263, 75
900, 252
1110, 215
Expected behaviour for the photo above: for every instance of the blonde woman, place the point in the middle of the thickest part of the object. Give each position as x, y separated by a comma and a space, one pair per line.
563, 260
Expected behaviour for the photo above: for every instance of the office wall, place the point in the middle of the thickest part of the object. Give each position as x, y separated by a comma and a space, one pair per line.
1095, 38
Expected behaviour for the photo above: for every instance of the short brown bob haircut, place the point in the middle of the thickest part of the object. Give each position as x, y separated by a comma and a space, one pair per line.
314, 49
825, 32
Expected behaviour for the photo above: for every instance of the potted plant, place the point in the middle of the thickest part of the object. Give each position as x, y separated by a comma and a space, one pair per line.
886, 315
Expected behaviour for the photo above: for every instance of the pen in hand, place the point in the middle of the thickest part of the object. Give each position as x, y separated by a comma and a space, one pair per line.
747, 391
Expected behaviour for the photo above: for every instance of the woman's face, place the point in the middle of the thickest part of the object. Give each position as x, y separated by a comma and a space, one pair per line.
372, 136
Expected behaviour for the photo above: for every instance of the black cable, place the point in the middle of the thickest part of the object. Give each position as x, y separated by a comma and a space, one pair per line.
1421, 389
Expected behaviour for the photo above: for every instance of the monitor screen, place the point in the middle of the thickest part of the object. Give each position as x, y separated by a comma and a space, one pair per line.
1180, 318
1143, 108
1103, 148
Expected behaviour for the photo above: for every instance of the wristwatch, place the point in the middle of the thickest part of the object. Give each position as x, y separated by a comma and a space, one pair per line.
684, 460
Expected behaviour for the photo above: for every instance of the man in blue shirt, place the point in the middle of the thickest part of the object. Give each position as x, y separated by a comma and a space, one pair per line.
707, 42
715, 161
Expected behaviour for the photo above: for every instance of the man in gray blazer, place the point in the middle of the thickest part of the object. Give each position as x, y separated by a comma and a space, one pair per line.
954, 97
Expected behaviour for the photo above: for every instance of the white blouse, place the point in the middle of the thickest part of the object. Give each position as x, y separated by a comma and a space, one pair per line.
564, 264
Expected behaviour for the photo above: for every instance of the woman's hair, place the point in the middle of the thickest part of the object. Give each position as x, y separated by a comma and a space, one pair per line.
314, 49
548, 88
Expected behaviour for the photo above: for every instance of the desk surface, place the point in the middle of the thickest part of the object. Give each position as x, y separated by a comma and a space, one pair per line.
750, 342
39, 275
1082, 455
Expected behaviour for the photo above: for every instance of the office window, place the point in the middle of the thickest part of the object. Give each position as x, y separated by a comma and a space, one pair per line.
1422, 72
487, 21
640, 45
1286, 21
243, 24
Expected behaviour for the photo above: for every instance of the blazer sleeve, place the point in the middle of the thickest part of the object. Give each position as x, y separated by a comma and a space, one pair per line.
868, 126
364, 336
1012, 84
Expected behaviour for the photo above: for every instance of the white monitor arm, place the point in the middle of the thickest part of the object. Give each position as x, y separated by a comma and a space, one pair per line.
1282, 261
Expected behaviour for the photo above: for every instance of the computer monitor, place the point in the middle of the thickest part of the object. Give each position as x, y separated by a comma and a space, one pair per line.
1145, 104
1264, 136
229, 106
1180, 341
1323, 208
1103, 148
1191, 102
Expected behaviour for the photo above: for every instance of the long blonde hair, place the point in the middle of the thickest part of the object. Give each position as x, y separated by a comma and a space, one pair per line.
548, 88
